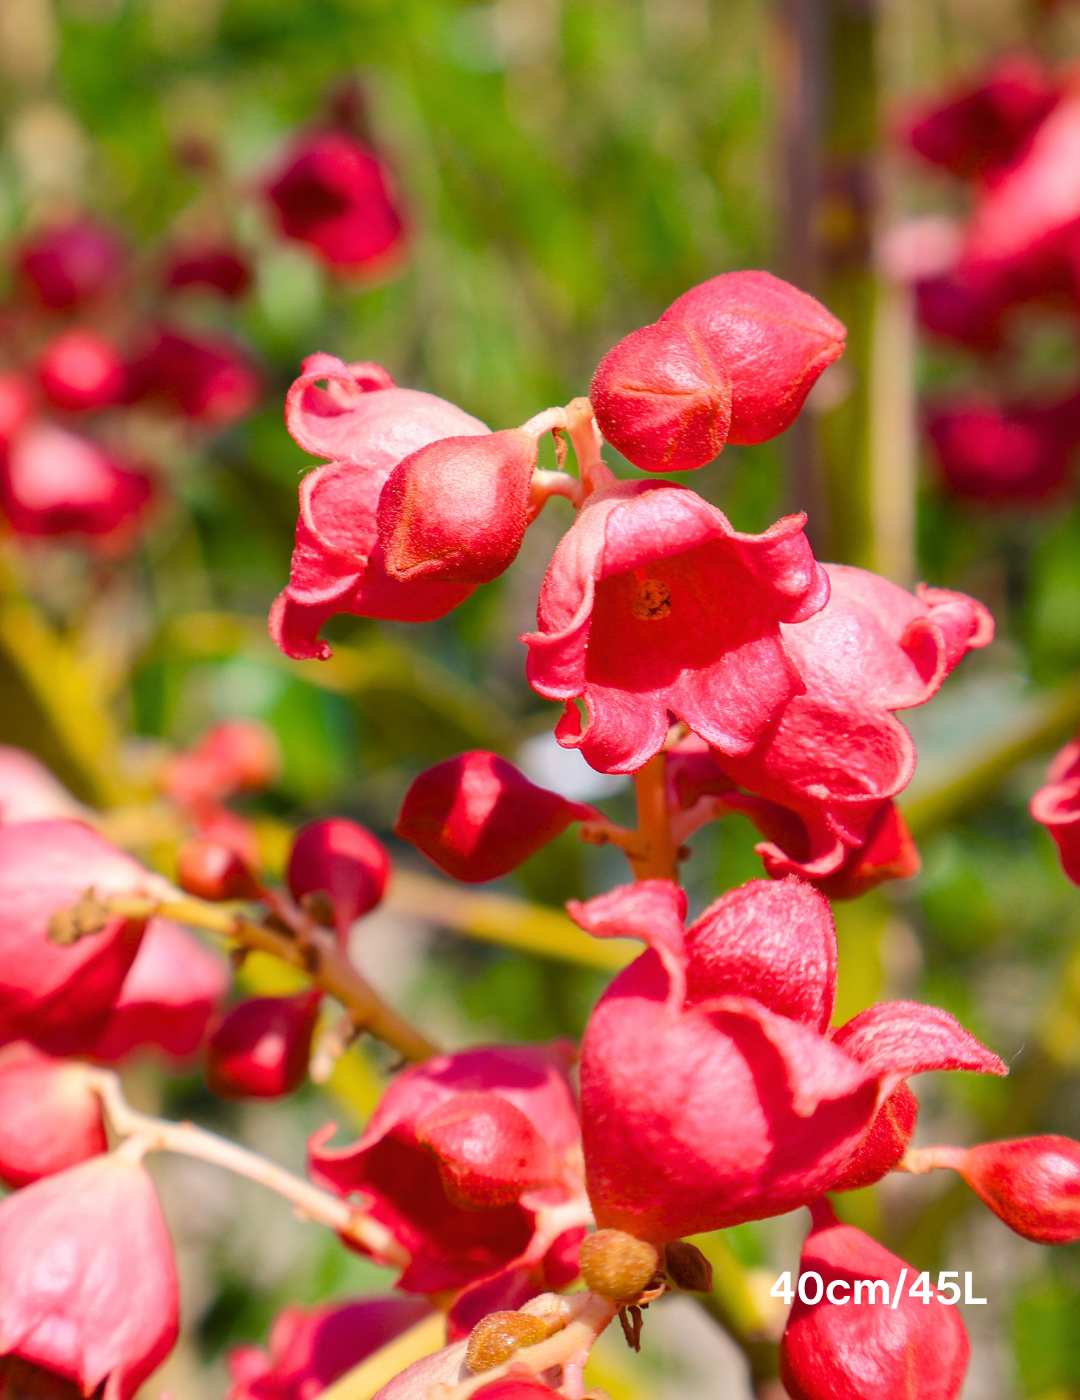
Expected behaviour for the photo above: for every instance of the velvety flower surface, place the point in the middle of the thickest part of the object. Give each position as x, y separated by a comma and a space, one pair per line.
477, 817
57, 994
417, 1142
712, 1089
628, 623
849, 1350
310, 1348
87, 1281
1057, 806
50, 1117
368, 425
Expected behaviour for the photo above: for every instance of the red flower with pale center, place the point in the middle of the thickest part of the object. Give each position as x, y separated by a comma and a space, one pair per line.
712, 1089
653, 607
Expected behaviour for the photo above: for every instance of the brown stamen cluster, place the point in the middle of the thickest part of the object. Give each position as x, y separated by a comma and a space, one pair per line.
652, 601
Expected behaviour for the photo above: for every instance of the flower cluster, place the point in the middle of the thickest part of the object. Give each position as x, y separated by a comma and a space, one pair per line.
728, 672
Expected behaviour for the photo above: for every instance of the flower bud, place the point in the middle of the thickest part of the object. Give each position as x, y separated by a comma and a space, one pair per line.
494, 1339
1033, 1184
616, 1265
50, 1117
211, 265
772, 339
71, 262
262, 1047
211, 870
662, 396
81, 370
840, 1348
456, 510
343, 860
207, 378
687, 1267
885, 1142
477, 817
488, 1151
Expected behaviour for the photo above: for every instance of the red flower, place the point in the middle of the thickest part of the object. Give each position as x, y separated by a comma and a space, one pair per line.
262, 1047
984, 125
53, 482
310, 1348
214, 265
712, 1089
1057, 807
334, 194
1033, 1184
629, 623
80, 369
368, 425
477, 817
344, 860
836, 754
1000, 454
234, 755
87, 1281
173, 988
50, 1117
418, 1162
207, 378
840, 1348
68, 264
58, 994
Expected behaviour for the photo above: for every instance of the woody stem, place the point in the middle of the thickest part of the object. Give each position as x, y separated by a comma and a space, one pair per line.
657, 858
161, 1135
316, 954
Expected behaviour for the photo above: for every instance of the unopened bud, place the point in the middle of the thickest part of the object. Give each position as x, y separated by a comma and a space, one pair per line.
496, 1337
212, 870
457, 509
687, 1267
262, 1047
616, 1265
1033, 1184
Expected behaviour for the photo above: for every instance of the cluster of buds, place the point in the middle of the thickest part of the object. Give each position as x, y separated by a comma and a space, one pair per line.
1011, 136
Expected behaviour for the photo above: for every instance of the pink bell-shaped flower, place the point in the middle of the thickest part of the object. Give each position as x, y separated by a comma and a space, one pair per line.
628, 624
50, 1117
310, 1348
342, 859
847, 1347
477, 817
262, 1047
88, 1288
81, 369
1056, 806
70, 263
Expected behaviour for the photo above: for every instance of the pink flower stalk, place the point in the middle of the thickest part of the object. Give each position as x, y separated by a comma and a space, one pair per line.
81, 369
1057, 807
628, 623
835, 754
232, 756
207, 378
50, 1117
984, 125
53, 482
732, 360
477, 817
342, 859
29, 792
1001, 454
842, 1349
68, 264
334, 194
310, 1348
1033, 1184
712, 1089
368, 425
517, 1162
166, 1001
215, 266
262, 1047
59, 994
87, 1282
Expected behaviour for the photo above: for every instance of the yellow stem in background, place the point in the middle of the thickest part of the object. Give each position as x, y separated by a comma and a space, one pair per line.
363, 1381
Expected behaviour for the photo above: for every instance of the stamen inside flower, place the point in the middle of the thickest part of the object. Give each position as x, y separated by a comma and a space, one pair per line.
652, 601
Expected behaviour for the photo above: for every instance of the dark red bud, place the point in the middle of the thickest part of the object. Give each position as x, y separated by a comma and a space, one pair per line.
885, 1142
211, 870
477, 817
457, 509
262, 1047
1033, 1184
662, 396
343, 860
488, 1151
